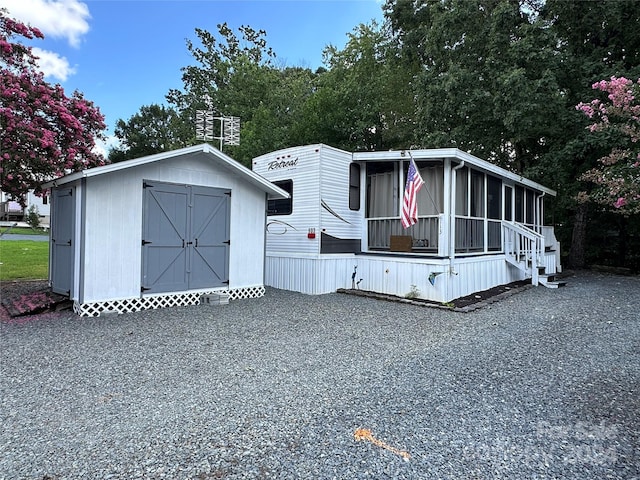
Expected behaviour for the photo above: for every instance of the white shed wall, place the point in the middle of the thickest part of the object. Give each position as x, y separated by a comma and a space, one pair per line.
113, 226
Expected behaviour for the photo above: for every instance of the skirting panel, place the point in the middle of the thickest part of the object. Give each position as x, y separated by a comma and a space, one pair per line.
126, 305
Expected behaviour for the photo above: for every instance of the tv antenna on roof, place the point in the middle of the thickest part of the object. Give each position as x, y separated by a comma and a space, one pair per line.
229, 127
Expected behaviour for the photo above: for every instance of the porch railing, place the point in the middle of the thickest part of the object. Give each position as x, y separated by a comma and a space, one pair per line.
426, 233
524, 248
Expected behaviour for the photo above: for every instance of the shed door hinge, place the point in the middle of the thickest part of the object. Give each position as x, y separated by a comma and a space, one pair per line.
228, 242
145, 242
144, 289
228, 193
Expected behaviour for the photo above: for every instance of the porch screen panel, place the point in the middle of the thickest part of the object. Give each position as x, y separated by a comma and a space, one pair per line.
381, 195
431, 195
494, 232
508, 210
529, 210
477, 194
469, 235
519, 204
462, 192
494, 197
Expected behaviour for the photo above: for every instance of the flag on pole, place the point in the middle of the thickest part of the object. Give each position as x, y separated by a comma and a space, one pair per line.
409, 201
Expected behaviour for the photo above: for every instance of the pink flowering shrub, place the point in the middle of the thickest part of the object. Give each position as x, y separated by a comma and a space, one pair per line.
43, 133
617, 177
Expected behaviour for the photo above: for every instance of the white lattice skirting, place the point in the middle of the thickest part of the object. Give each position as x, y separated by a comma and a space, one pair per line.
94, 309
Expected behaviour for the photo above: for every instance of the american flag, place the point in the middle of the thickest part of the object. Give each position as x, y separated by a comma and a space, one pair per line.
409, 203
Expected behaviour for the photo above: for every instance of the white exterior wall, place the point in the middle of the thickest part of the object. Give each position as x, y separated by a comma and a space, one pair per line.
112, 234
321, 173
312, 274
334, 190
390, 275
288, 233
43, 209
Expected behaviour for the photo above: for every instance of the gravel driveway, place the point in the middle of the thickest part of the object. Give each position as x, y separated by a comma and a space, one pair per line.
544, 384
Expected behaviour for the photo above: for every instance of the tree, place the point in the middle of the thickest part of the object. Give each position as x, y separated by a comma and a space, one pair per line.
364, 100
43, 133
485, 77
153, 129
595, 40
617, 176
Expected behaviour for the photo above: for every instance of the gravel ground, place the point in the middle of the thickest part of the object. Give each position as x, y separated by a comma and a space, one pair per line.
544, 384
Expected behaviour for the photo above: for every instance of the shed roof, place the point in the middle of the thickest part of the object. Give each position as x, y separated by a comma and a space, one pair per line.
454, 153
215, 155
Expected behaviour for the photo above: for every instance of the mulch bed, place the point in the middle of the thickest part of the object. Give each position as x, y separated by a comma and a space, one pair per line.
463, 304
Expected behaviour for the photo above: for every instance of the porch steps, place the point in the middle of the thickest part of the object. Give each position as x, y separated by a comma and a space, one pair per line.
550, 281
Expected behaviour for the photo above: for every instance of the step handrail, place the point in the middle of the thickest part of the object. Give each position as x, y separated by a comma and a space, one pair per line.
520, 239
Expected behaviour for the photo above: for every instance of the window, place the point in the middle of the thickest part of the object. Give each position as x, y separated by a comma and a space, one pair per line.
354, 186
282, 206
382, 190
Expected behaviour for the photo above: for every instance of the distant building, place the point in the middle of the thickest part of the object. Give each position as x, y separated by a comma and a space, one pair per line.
11, 210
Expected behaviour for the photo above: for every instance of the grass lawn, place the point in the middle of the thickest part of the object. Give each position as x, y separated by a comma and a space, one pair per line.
23, 231
23, 259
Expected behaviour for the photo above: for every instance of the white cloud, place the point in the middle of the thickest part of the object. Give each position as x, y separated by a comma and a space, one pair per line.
103, 146
57, 18
53, 65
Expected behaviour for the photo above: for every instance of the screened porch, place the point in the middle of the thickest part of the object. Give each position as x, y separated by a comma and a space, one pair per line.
480, 203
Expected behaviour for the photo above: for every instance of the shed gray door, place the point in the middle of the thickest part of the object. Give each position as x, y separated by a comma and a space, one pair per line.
164, 232
209, 256
185, 237
62, 232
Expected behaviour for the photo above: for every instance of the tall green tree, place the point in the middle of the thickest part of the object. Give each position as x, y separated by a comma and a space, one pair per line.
363, 100
234, 75
501, 79
154, 129
487, 77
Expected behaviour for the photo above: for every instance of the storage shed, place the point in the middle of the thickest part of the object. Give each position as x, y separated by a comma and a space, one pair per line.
159, 231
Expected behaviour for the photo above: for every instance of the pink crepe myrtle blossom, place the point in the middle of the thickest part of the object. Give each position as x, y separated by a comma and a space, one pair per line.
621, 202
44, 133
617, 176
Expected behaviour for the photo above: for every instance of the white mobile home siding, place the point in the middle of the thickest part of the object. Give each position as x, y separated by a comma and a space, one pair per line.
334, 191
286, 233
321, 174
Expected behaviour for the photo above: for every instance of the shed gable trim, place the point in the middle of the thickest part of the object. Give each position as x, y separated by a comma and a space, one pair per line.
219, 157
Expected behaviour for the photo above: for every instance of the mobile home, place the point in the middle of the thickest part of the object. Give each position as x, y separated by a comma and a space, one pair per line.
479, 225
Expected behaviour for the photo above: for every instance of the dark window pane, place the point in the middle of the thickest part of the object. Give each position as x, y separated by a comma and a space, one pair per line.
354, 186
281, 206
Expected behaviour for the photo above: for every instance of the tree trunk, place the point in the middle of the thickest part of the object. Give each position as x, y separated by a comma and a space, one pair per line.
579, 237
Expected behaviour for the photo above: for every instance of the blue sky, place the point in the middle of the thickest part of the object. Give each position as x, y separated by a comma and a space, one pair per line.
124, 54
